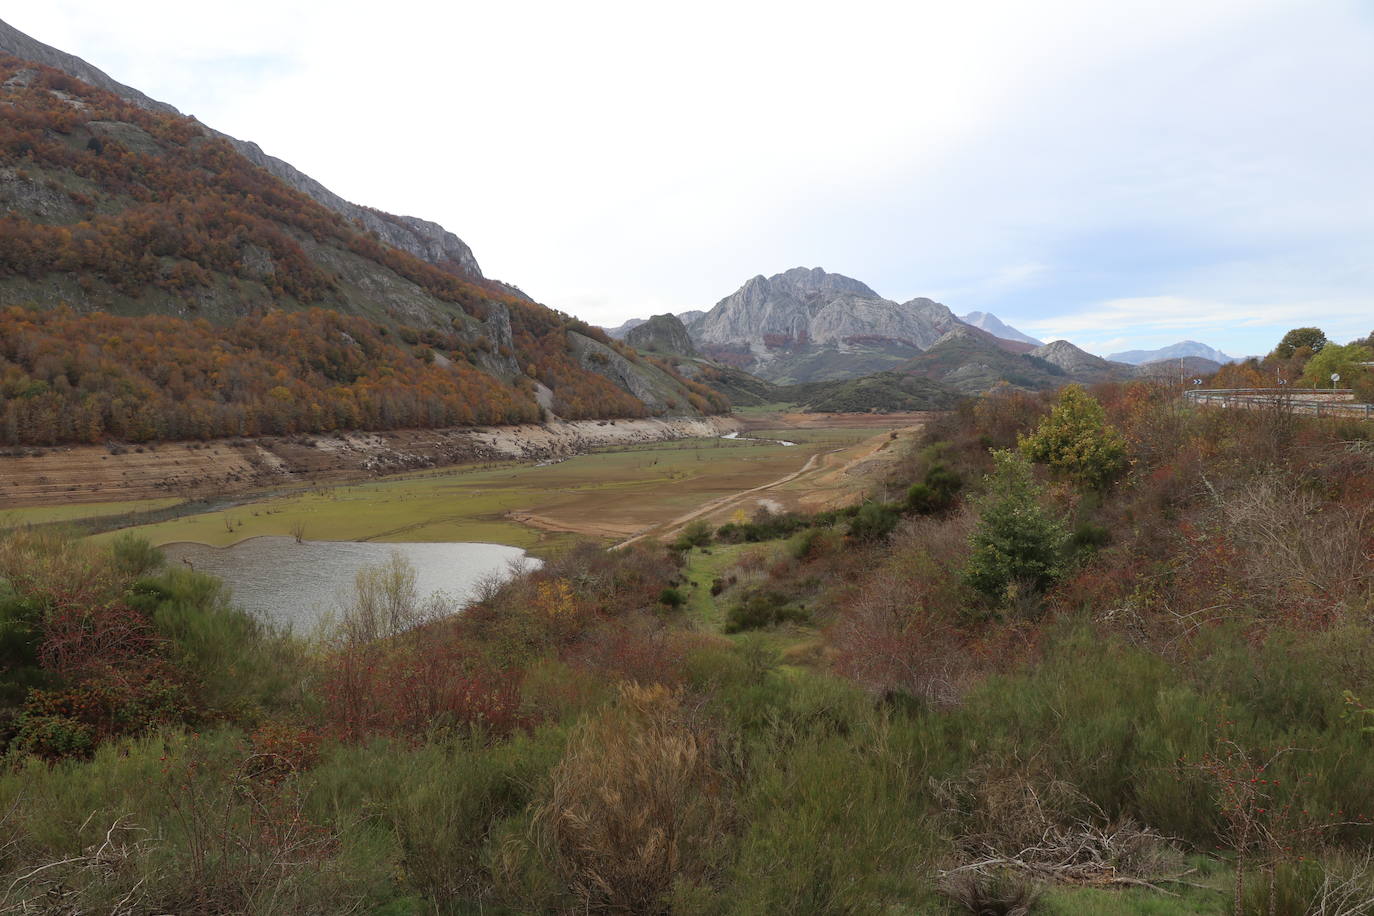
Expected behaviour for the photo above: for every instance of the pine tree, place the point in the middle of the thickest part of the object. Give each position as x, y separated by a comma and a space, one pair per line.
1017, 543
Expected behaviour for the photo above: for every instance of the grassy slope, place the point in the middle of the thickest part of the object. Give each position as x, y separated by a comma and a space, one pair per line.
37, 515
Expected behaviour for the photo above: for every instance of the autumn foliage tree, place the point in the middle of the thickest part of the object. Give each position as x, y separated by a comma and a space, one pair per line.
1076, 440
67, 377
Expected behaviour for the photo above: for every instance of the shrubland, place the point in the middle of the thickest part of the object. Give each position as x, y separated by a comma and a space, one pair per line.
1106, 653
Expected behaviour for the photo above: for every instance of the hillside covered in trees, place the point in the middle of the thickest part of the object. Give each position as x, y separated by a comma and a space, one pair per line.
191, 250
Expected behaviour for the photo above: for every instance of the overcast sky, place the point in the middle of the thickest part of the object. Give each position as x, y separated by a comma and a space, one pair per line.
1123, 174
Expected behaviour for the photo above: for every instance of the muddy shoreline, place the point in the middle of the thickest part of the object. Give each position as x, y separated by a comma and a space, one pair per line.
225, 467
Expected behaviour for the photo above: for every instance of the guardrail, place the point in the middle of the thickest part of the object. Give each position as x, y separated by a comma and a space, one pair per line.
1330, 403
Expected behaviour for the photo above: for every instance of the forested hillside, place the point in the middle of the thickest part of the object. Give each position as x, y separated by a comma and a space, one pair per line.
113, 208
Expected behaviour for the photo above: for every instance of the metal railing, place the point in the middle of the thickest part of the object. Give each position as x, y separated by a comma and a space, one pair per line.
1339, 402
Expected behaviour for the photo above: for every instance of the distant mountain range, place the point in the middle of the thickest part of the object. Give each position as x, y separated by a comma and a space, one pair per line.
807, 325
806, 335
1180, 350
997, 328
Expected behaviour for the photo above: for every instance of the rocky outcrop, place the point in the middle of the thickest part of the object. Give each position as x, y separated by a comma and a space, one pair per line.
663, 334
13, 41
1081, 365
688, 318
422, 238
659, 391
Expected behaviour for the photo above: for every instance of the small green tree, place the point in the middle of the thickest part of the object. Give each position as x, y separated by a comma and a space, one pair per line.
1017, 543
1314, 339
1076, 440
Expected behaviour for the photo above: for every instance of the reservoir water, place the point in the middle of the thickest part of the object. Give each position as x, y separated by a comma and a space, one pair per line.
298, 584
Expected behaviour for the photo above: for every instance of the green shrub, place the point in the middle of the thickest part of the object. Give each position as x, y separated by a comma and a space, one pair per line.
762, 609
671, 598
846, 813
51, 738
135, 556
696, 534
765, 526
936, 492
447, 799
1089, 536
1017, 543
240, 664
20, 634
812, 542
874, 522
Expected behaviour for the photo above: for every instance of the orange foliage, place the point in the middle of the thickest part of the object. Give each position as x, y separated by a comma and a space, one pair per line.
66, 377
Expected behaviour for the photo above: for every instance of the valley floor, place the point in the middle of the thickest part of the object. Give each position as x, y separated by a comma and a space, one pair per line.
625, 489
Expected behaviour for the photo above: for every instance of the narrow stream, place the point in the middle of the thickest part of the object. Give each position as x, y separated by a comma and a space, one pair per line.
738, 438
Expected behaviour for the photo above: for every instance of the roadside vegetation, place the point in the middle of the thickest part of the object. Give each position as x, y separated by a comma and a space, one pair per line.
1097, 652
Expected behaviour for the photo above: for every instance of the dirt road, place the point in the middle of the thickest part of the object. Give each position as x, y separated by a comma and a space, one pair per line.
830, 480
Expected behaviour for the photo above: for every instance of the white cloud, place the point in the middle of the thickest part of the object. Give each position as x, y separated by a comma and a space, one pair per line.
616, 157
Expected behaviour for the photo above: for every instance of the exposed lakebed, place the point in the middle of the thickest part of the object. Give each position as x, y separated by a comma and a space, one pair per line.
298, 584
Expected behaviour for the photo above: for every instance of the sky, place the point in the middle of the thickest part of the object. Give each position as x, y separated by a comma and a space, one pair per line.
1123, 175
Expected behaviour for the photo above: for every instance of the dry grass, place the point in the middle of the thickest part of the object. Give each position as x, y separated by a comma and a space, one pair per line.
637, 804
1045, 830
1295, 546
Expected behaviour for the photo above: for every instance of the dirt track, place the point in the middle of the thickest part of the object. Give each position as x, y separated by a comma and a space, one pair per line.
829, 480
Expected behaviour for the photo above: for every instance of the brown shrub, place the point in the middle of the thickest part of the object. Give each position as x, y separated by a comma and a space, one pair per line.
898, 631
